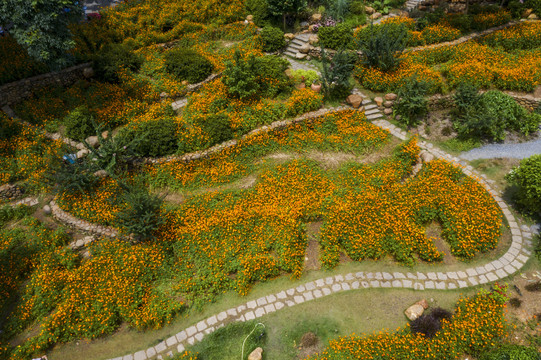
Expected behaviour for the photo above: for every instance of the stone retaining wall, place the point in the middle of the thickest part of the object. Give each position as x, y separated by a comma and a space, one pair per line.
17, 91
442, 102
10, 192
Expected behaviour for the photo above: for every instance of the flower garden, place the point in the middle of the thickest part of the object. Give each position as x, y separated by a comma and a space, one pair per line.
192, 229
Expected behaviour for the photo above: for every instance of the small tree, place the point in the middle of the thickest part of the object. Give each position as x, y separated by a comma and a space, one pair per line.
41, 26
286, 7
527, 177
411, 103
142, 216
240, 76
381, 45
336, 75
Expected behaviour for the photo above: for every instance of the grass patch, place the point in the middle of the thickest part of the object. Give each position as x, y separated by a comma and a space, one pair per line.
456, 145
227, 343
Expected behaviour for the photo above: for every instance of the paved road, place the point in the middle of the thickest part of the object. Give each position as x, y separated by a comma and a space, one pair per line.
516, 151
93, 6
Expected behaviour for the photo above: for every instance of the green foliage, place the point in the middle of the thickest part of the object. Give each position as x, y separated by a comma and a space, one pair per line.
381, 45
492, 115
466, 97
142, 216
286, 7
186, 64
113, 58
272, 38
77, 178
158, 137
8, 127
8, 213
258, 9
535, 5
249, 78
339, 8
511, 352
336, 37
218, 127
411, 103
225, 343
356, 7
113, 154
79, 124
306, 76
527, 177
336, 75
42, 27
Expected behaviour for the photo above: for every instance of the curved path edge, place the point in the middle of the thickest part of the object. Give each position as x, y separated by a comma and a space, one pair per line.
511, 262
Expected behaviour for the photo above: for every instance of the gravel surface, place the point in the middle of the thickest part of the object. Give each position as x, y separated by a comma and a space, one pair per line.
516, 151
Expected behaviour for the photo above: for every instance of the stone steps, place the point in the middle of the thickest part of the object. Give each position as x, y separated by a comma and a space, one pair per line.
294, 45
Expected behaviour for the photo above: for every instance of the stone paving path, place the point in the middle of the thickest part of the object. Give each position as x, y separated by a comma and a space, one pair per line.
516, 151
511, 262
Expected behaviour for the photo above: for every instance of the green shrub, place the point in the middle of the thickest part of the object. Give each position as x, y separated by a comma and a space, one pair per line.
79, 124
306, 76
186, 64
249, 78
113, 154
336, 75
271, 67
158, 137
336, 37
356, 7
112, 58
77, 178
272, 38
495, 113
381, 45
8, 127
511, 352
258, 9
142, 215
411, 103
466, 97
527, 177
218, 127
535, 5
339, 8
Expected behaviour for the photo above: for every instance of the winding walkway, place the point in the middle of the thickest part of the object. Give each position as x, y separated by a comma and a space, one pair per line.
516, 151
511, 262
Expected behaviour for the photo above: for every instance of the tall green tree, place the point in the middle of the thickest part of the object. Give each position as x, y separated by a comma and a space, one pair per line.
41, 26
286, 7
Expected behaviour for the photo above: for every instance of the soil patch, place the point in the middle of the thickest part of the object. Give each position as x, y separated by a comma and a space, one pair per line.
309, 345
433, 232
311, 259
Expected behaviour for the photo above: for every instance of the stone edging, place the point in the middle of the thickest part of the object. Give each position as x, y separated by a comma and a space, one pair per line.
81, 225
512, 261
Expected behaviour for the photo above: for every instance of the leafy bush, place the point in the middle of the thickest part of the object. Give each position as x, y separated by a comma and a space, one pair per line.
336, 75
272, 38
336, 37
79, 124
74, 178
249, 78
186, 64
258, 9
158, 137
466, 97
218, 127
429, 324
8, 127
302, 101
113, 155
527, 177
382, 44
142, 215
511, 352
411, 103
306, 76
493, 114
112, 58
339, 8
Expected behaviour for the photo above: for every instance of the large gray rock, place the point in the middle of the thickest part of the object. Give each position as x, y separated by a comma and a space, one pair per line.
305, 49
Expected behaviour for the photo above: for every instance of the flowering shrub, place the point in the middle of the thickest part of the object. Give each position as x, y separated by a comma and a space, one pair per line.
477, 324
521, 36
439, 33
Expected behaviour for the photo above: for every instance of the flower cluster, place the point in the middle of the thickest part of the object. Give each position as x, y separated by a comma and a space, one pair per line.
477, 324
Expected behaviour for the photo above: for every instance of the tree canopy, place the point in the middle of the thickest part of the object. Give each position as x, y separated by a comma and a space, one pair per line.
41, 26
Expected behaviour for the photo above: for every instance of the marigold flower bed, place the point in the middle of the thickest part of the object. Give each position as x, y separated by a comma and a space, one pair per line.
477, 325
